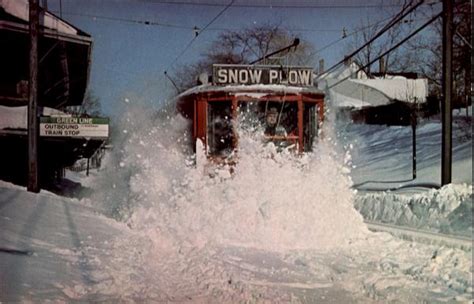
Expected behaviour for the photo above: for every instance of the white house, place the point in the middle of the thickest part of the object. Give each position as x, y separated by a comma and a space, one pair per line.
359, 91
381, 100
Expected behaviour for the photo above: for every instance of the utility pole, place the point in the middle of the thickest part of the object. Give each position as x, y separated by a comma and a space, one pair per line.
446, 111
413, 137
33, 134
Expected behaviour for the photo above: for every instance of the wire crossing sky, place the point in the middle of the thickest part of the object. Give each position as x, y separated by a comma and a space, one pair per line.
198, 31
135, 41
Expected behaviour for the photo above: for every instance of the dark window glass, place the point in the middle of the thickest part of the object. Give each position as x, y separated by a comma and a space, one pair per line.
310, 125
220, 133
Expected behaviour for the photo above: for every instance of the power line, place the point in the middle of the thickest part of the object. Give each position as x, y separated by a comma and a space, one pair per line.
390, 24
353, 33
198, 32
278, 6
348, 35
179, 26
466, 42
391, 49
144, 22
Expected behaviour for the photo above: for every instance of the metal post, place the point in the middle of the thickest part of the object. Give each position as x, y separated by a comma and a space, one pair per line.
88, 165
446, 111
413, 132
33, 134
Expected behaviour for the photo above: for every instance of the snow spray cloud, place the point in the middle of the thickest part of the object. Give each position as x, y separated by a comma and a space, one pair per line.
147, 146
276, 201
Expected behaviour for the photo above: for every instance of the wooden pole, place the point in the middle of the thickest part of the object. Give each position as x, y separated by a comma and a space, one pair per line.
413, 130
446, 110
33, 132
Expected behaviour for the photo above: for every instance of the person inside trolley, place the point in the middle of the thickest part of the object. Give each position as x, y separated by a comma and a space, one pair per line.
273, 127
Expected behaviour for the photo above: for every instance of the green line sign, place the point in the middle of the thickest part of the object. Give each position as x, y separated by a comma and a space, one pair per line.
88, 127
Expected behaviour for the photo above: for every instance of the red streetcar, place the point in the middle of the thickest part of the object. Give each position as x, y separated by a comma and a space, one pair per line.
280, 101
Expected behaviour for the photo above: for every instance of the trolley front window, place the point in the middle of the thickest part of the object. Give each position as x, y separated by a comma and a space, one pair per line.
277, 121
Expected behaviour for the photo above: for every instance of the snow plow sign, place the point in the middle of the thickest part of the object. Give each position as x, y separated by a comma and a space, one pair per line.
74, 127
225, 74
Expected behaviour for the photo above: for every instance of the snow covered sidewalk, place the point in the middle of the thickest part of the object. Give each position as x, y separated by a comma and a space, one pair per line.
50, 246
65, 251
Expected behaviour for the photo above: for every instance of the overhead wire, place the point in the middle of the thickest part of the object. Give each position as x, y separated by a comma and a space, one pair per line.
389, 50
394, 20
185, 27
348, 35
402, 14
126, 20
278, 6
197, 35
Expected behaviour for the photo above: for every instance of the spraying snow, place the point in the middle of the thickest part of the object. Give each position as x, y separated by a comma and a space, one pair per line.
273, 201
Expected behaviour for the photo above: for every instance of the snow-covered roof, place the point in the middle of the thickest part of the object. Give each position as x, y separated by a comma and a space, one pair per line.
399, 88
344, 71
360, 91
350, 93
250, 90
346, 101
17, 117
20, 9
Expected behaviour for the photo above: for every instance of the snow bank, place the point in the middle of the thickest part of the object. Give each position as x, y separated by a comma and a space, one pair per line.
447, 210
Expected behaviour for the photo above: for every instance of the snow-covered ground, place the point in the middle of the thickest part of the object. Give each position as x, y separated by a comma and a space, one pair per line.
381, 159
154, 228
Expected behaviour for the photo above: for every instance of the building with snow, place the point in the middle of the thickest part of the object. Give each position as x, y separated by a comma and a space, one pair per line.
383, 99
64, 54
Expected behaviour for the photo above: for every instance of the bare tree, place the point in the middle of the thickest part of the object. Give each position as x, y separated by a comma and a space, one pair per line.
425, 54
244, 46
89, 107
364, 33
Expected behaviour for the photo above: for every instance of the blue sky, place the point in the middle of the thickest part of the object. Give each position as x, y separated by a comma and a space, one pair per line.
129, 59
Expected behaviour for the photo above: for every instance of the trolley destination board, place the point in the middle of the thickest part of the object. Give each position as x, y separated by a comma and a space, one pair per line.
84, 127
228, 74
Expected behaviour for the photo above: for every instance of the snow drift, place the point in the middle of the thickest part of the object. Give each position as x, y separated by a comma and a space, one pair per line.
448, 210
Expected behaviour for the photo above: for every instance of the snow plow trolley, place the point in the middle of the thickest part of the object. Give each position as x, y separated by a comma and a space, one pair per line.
280, 101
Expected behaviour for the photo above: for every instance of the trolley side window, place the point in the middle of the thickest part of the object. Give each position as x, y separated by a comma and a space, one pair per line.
310, 125
220, 134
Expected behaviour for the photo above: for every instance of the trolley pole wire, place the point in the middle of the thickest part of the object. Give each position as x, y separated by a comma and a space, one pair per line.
397, 18
391, 49
197, 34
295, 44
